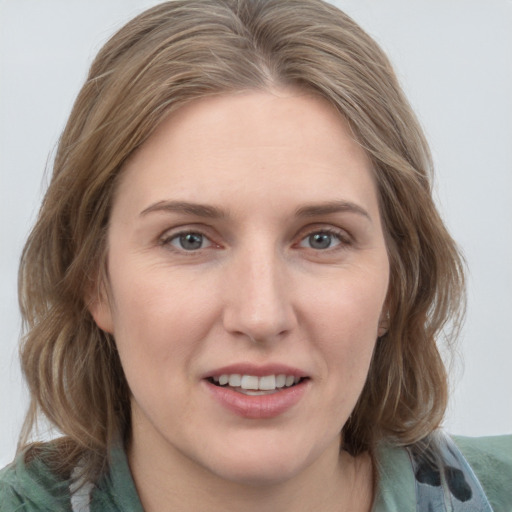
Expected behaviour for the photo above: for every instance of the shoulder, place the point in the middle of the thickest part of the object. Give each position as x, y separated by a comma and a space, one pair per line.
402, 482
28, 485
491, 460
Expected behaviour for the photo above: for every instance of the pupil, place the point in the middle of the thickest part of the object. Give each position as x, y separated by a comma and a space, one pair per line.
191, 241
320, 240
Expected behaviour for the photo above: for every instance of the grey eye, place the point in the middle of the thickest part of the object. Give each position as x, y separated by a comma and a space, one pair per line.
320, 240
189, 241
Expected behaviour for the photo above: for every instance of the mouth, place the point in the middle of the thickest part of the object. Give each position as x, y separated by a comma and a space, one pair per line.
253, 385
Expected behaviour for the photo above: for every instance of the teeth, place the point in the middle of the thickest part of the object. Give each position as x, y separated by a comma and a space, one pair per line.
254, 383
267, 382
235, 380
249, 382
280, 381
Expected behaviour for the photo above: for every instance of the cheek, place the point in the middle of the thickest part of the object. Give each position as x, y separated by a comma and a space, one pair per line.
159, 322
344, 320
350, 306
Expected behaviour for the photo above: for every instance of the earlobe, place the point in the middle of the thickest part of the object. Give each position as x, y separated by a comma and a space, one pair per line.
383, 324
100, 310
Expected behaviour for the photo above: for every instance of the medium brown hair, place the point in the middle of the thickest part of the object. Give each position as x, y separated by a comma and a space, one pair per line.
162, 59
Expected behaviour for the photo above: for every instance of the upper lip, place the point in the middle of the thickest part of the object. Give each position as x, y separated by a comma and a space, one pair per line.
256, 370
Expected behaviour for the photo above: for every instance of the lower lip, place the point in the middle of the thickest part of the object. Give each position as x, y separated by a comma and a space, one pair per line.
258, 406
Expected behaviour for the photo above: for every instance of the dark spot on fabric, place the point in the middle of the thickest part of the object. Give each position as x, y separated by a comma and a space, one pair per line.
457, 484
428, 474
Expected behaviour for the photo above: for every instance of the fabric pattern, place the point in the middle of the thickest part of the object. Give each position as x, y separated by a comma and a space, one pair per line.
444, 480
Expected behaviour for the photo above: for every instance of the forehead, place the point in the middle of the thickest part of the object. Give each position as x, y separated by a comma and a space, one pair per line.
278, 146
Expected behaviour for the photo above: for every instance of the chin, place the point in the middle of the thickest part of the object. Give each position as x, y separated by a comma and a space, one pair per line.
260, 473
259, 464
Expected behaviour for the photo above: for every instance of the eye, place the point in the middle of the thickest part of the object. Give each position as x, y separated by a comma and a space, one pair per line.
321, 240
188, 241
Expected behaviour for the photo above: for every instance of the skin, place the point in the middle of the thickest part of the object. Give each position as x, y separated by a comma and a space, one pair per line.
258, 290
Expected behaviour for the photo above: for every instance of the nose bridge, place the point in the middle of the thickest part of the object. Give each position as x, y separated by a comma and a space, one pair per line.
259, 305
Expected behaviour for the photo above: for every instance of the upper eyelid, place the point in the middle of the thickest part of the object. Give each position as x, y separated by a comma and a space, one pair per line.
324, 228
183, 229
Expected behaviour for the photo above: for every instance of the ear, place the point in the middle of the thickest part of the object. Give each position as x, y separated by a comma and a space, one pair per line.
100, 309
383, 323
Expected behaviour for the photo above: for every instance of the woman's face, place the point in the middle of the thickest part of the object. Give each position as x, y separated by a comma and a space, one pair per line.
245, 245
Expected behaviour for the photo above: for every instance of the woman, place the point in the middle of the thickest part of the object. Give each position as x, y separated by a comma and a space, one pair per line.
237, 278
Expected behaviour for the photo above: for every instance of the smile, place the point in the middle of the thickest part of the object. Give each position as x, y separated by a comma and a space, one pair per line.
253, 385
265, 395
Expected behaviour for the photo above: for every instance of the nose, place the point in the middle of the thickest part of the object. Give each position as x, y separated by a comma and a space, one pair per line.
259, 293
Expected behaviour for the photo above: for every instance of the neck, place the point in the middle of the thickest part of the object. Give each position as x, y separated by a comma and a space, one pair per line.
168, 481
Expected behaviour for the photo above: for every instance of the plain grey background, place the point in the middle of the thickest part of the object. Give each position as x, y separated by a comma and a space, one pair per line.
454, 59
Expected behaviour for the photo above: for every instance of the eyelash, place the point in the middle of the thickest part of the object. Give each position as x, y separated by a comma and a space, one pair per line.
167, 239
343, 238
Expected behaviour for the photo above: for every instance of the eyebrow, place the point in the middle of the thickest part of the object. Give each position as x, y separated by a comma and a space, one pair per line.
213, 212
196, 209
331, 207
